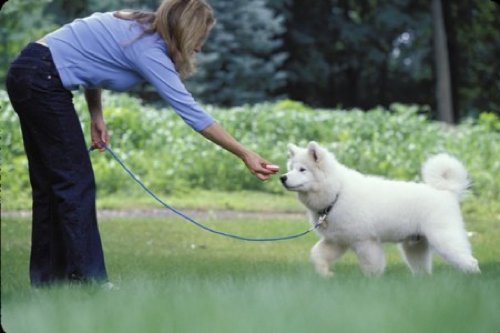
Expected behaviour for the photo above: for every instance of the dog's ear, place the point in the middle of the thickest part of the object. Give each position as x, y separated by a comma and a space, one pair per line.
292, 149
315, 151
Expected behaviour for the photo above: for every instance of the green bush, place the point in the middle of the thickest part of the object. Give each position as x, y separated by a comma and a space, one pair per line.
170, 157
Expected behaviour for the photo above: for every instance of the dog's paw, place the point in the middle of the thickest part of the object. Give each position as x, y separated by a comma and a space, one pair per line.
472, 267
326, 273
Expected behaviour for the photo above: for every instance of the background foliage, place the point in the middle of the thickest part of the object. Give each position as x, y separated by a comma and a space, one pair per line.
326, 53
241, 62
170, 157
342, 58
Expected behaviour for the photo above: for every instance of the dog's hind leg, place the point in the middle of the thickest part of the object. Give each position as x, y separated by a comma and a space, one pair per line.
371, 256
323, 254
417, 254
454, 247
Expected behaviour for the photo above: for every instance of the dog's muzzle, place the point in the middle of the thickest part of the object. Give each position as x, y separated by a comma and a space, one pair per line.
283, 180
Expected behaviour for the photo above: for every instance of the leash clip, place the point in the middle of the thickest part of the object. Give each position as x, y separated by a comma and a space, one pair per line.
322, 214
322, 220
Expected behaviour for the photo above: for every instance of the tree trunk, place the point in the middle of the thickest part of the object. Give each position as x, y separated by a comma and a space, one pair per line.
450, 24
382, 87
443, 83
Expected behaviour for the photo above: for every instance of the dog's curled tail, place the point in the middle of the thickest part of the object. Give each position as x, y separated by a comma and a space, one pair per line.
445, 172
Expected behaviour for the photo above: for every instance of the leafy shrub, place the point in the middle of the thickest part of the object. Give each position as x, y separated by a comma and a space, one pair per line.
170, 157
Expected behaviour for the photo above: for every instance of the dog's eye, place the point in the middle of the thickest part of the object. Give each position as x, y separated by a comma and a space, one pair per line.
302, 169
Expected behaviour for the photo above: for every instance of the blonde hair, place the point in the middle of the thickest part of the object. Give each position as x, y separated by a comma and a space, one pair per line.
183, 25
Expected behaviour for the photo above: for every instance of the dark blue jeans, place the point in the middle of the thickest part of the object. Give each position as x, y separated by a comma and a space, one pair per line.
65, 242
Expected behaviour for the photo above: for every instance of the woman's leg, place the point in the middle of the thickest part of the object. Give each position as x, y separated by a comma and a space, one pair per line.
65, 242
47, 261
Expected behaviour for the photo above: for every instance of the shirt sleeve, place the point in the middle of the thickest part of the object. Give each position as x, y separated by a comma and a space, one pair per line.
158, 69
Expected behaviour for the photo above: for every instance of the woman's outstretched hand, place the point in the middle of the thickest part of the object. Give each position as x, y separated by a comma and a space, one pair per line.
258, 166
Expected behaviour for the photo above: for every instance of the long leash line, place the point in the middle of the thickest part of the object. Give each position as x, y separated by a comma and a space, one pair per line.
198, 224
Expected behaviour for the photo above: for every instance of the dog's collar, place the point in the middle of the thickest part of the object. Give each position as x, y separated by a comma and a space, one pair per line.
324, 212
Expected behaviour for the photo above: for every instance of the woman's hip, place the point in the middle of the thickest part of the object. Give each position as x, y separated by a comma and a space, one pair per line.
33, 76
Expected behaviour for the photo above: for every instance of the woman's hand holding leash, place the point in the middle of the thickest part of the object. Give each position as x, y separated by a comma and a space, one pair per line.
98, 129
99, 133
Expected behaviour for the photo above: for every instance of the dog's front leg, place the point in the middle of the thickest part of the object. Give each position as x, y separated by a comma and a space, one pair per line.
371, 256
323, 254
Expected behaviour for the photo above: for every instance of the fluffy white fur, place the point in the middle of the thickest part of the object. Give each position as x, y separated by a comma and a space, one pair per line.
370, 210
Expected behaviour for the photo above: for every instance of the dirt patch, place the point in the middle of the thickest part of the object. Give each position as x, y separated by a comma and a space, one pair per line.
195, 214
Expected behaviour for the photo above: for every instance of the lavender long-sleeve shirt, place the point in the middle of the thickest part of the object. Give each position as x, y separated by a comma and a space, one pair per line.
102, 51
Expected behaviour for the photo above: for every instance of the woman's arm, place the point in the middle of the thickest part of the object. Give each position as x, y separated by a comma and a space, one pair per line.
98, 129
255, 163
157, 68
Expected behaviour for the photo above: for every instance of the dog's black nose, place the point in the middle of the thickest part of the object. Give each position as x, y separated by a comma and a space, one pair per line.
283, 179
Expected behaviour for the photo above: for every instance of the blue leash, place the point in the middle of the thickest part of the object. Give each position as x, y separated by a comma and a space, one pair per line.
198, 224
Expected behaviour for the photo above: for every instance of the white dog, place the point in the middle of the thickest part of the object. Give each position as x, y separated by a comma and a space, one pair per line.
360, 212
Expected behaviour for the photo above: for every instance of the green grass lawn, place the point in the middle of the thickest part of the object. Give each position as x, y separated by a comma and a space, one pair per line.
173, 277
207, 200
